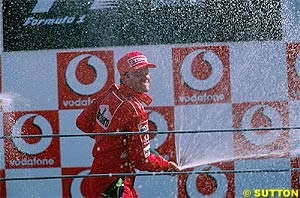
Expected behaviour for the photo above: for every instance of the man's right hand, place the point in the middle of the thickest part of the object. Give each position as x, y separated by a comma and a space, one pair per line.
173, 167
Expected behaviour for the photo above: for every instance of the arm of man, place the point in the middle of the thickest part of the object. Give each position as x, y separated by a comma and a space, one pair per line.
87, 118
142, 159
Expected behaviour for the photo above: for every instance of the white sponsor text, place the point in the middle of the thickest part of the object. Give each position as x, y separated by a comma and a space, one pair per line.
31, 162
79, 102
202, 98
53, 21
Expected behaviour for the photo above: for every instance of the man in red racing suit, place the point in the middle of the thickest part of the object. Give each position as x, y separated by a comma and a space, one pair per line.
120, 109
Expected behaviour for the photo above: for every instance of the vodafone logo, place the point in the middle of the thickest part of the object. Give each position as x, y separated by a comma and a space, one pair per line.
201, 75
162, 119
261, 143
75, 189
77, 186
82, 76
31, 152
161, 125
207, 185
212, 61
269, 117
36, 148
97, 65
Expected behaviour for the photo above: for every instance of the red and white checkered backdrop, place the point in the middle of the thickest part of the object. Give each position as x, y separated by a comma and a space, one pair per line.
196, 86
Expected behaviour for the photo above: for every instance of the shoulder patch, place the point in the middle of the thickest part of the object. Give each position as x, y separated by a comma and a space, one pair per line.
107, 109
104, 116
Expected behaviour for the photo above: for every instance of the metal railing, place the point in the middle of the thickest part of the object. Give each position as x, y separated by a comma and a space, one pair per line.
150, 173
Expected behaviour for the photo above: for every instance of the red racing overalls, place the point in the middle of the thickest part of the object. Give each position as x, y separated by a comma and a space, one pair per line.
120, 109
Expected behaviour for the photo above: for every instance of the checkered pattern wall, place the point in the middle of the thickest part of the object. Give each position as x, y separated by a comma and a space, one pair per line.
199, 86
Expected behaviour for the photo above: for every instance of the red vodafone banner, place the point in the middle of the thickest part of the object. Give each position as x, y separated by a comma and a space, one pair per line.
82, 76
208, 185
259, 143
201, 75
31, 152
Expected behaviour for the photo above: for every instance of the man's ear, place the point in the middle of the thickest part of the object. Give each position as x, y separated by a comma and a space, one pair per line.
124, 78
